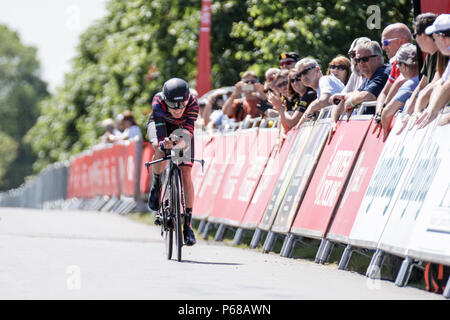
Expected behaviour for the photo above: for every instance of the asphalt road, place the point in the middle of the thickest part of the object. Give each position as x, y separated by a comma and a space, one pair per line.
91, 255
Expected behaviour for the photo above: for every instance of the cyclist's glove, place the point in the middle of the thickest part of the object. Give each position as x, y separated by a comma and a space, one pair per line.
161, 146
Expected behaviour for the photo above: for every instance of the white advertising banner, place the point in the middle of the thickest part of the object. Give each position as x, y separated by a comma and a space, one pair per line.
430, 240
408, 199
394, 162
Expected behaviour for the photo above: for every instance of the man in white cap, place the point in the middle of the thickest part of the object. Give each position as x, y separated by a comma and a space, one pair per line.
406, 58
440, 97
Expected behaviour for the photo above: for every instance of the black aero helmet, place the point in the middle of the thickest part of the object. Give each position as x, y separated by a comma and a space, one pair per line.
175, 93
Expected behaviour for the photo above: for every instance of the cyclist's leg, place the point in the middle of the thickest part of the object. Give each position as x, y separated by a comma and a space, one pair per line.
157, 168
189, 196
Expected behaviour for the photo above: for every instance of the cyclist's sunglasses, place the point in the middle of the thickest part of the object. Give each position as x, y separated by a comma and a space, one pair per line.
365, 59
177, 104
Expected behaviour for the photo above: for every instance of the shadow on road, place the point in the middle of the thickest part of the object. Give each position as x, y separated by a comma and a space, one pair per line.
213, 263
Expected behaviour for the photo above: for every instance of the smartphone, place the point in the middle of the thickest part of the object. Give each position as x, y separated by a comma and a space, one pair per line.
248, 87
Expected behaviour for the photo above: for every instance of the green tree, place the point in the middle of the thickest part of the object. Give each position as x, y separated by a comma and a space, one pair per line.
21, 89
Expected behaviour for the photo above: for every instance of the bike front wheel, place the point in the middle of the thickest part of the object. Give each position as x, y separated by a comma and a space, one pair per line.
168, 238
176, 207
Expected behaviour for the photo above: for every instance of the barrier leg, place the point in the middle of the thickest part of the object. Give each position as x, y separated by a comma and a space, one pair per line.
270, 242
322, 256
256, 239
206, 231
201, 226
220, 233
345, 259
288, 245
375, 264
446, 293
405, 271
238, 236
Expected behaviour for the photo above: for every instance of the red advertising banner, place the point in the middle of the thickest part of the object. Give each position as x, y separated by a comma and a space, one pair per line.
329, 179
112, 188
203, 56
224, 154
268, 181
204, 150
351, 201
227, 196
147, 155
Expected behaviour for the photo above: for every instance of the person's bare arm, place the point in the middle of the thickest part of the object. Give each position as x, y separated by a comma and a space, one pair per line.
394, 88
439, 98
387, 115
382, 96
227, 107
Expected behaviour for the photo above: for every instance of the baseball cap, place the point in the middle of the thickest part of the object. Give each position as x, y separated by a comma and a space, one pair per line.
285, 56
442, 23
407, 54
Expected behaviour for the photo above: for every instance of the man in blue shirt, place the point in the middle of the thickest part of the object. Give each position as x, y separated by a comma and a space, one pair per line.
369, 58
406, 58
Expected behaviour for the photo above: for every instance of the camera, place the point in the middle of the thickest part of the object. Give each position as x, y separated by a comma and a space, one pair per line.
248, 87
336, 101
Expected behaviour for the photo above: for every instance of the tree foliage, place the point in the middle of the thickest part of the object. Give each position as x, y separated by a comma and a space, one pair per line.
21, 89
124, 58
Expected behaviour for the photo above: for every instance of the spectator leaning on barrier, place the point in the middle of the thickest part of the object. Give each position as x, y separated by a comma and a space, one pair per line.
270, 75
354, 82
392, 38
428, 72
340, 67
440, 97
325, 86
132, 130
248, 98
406, 59
288, 60
302, 96
108, 126
281, 84
369, 58
119, 124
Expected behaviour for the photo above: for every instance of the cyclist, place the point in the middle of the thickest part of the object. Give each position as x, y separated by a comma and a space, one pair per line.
173, 108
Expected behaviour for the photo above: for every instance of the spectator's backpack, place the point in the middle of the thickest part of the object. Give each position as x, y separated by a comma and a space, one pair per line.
436, 276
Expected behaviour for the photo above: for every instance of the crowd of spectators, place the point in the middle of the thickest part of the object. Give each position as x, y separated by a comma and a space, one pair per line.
123, 128
297, 89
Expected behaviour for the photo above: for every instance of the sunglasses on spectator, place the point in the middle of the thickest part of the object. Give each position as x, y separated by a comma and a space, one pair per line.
386, 42
442, 34
176, 105
251, 81
365, 59
339, 67
282, 84
286, 63
304, 72
297, 77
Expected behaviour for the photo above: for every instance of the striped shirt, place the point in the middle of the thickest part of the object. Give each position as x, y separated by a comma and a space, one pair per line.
161, 116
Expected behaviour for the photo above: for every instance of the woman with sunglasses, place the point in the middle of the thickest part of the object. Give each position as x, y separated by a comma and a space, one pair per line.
340, 67
174, 109
301, 96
